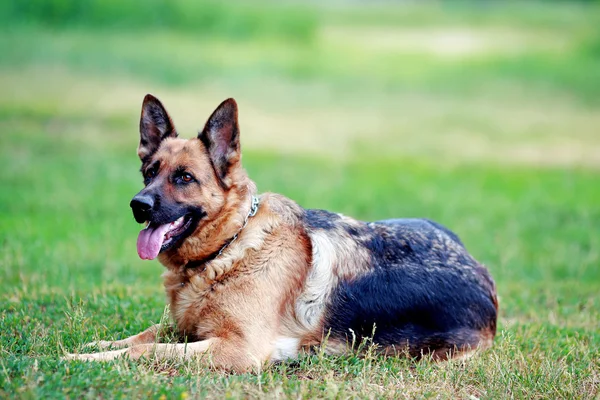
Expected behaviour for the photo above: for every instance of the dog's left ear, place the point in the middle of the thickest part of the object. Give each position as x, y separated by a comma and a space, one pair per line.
221, 136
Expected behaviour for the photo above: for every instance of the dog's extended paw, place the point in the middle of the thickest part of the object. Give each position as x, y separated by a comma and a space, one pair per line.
103, 345
104, 356
72, 356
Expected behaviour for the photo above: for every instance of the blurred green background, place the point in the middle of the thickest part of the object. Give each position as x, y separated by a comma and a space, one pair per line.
484, 116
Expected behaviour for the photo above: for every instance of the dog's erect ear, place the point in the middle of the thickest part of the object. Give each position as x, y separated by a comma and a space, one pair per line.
155, 126
221, 136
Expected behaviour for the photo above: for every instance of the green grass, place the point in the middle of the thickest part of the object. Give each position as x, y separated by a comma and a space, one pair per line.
352, 108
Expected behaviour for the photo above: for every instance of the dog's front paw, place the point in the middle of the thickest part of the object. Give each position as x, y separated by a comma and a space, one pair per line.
103, 356
72, 356
102, 345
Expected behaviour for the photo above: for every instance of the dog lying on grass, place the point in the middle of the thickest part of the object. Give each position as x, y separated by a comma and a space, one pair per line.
255, 278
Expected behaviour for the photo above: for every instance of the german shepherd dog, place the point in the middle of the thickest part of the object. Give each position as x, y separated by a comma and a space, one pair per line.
256, 278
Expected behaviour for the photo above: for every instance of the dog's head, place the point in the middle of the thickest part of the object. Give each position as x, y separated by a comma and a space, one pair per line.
191, 186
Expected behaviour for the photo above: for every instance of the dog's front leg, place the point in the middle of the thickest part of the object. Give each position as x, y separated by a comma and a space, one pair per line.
150, 335
225, 354
161, 351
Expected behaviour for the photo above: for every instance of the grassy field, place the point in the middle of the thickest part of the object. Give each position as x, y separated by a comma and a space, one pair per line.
484, 117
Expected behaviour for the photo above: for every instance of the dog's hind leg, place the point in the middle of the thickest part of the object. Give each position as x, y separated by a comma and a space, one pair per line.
150, 335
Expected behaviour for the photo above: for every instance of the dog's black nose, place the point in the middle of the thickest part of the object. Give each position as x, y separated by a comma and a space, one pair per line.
142, 205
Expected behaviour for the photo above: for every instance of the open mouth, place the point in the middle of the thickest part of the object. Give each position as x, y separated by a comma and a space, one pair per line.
156, 238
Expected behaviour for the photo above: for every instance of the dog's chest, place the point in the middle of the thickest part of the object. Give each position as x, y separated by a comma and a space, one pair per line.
188, 300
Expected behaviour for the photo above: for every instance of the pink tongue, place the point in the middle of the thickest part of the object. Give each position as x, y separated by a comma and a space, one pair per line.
150, 241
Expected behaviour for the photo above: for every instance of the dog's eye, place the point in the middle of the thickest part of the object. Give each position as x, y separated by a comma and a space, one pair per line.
184, 178
151, 173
